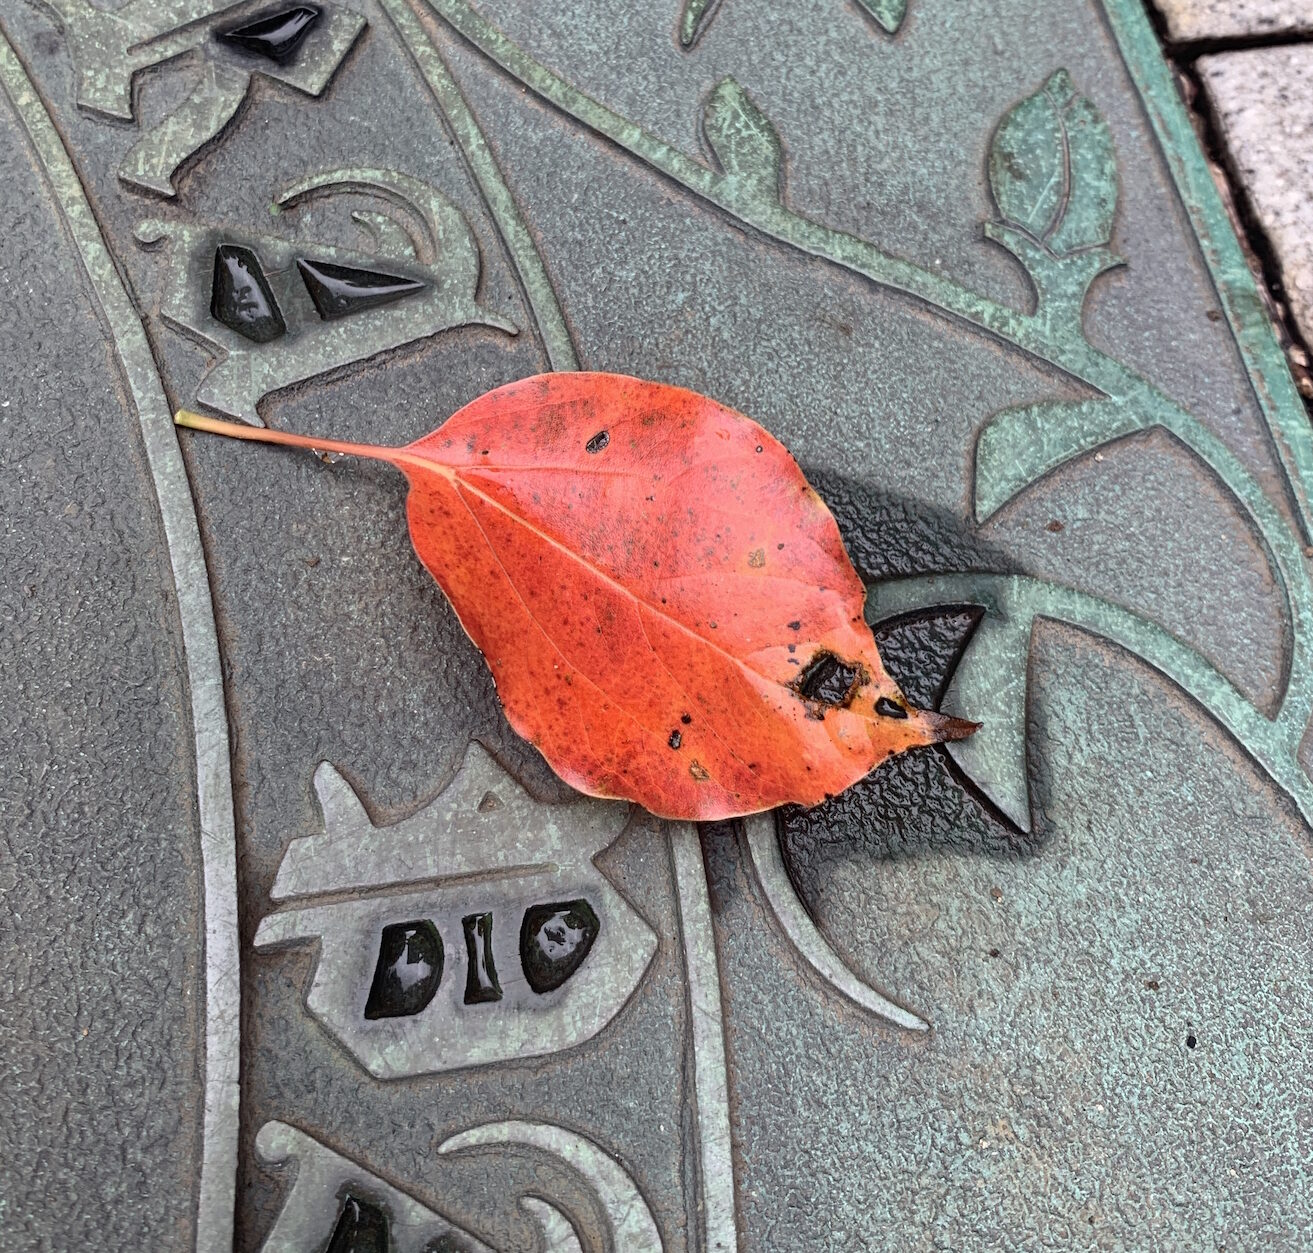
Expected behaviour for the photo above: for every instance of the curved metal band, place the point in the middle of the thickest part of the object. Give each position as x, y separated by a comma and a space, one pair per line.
218, 1176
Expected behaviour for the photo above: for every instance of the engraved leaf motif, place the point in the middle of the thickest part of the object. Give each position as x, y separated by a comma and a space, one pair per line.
992, 672
743, 139
697, 15
1018, 446
889, 13
1053, 171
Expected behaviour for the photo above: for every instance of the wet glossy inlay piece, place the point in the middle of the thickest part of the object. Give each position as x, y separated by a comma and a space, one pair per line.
341, 290
554, 940
481, 983
240, 295
361, 1228
408, 972
276, 35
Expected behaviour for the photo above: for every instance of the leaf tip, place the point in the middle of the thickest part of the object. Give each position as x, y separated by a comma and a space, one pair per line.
945, 728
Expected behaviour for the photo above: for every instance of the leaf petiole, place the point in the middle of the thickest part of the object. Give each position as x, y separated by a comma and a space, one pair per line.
265, 435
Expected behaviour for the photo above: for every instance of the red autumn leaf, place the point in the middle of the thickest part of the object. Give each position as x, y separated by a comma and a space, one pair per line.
665, 603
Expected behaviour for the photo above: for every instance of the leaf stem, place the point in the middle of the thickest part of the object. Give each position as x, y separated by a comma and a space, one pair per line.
267, 435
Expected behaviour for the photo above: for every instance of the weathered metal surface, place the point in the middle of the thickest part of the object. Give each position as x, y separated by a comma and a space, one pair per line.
968, 263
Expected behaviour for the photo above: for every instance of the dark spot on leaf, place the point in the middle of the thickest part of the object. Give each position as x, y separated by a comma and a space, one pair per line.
675, 740
759, 448
886, 707
598, 442
686, 718
795, 625
793, 648
828, 680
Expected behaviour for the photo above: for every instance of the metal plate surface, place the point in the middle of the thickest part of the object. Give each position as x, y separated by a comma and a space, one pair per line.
304, 950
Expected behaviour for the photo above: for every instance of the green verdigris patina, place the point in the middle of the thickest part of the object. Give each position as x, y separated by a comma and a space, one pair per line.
476, 1013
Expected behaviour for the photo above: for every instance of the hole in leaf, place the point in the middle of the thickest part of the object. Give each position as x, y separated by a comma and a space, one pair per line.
675, 740
829, 680
889, 708
598, 442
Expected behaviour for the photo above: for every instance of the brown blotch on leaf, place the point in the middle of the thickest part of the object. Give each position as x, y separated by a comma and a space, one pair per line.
696, 770
830, 681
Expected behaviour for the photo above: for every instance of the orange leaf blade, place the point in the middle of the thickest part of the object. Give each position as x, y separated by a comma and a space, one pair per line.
665, 603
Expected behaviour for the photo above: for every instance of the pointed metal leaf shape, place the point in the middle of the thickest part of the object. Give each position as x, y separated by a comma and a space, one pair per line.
992, 675
694, 19
1053, 171
1018, 446
743, 139
1091, 181
889, 13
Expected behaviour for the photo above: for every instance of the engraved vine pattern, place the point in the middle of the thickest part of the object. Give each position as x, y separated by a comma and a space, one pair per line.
1053, 176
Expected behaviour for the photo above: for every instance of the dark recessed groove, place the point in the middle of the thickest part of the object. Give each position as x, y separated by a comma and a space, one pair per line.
1192, 49
1180, 50
1252, 232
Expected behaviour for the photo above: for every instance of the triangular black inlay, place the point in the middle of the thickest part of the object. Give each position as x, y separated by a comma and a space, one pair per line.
240, 295
361, 1228
276, 35
340, 290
